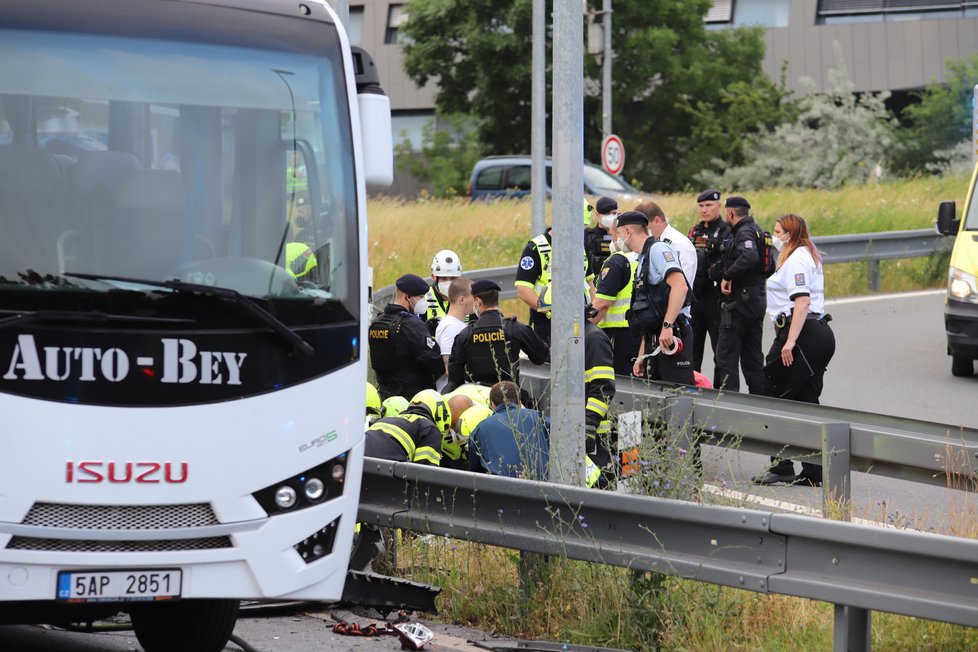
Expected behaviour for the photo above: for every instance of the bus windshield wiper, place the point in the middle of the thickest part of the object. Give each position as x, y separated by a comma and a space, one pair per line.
249, 305
20, 316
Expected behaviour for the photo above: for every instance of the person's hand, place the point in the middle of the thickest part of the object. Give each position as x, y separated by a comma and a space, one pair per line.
638, 367
666, 340
786, 357
726, 286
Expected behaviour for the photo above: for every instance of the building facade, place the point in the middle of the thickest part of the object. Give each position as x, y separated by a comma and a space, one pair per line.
891, 45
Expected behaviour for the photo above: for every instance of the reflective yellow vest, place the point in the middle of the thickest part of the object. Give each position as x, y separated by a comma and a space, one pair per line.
615, 317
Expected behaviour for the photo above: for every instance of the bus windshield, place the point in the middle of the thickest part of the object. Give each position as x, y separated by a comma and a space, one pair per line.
126, 159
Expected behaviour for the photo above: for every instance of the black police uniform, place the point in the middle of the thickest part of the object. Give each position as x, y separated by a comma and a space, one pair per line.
488, 350
402, 353
599, 390
597, 245
742, 312
615, 275
707, 237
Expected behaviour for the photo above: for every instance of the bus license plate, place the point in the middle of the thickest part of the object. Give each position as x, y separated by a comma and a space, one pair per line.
119, 586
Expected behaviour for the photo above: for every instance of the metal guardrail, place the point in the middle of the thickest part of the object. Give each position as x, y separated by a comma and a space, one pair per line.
866, 568
847, 440
856, 247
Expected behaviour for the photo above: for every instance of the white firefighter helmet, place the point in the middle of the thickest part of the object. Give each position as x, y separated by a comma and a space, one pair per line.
446, 264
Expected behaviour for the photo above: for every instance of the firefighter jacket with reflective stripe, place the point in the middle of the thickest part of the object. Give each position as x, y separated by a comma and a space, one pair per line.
599, 384
408, 437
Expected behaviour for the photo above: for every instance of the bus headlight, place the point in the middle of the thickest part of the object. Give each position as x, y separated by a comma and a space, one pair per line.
309, 488
285, 497
314, 489
961, 286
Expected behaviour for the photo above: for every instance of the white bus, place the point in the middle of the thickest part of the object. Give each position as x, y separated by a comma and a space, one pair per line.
182, 308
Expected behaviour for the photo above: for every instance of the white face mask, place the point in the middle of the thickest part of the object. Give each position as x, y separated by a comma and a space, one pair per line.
620, 243
777, 242
421, 307
443, 287
608, 220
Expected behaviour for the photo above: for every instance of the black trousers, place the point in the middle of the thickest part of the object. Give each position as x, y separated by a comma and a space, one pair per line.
741, 329
540, 324
625, 347
817, 342
677, 368
705, 313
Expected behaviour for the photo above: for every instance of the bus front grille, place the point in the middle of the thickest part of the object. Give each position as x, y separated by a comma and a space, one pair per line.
81, 545
120, 517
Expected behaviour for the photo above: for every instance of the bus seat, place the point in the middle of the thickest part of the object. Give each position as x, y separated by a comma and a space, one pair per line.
32, 210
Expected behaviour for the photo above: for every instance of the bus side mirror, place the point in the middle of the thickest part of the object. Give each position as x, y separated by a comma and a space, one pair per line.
947, 223
376, 132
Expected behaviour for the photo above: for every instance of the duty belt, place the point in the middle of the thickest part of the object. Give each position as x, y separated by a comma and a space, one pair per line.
784, 319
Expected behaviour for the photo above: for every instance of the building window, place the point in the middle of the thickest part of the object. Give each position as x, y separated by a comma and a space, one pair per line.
862, 11
396, 17
354, 27
765, 13
720, 12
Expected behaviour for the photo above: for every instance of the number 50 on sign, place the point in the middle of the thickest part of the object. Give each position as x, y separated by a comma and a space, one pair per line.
613, 155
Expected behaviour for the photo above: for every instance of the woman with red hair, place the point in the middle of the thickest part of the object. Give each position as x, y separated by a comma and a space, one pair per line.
803, 341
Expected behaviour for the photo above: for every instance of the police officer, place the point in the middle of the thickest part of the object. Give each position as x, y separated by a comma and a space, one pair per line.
744, 302
599, 389
533, 277
707, 235
402, 352
660, 304
488, 350
612, 298
597, 238
445, 268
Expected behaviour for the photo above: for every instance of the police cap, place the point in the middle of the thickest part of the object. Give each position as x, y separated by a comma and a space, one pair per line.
605, 205
632, 217
412, 285
708, 195
736, 202
485, 285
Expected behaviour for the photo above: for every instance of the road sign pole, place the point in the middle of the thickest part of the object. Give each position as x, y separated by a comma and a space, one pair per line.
606, 71
567, 326
974, 125
538, 121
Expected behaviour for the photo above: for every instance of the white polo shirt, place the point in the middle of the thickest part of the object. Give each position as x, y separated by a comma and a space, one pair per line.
684, 248
798, 276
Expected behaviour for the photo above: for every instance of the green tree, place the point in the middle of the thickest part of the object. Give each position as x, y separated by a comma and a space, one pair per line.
447, 155
836, 138
940, 121
682, 94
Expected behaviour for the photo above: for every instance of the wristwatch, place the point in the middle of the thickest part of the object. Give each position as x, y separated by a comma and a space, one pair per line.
667, 324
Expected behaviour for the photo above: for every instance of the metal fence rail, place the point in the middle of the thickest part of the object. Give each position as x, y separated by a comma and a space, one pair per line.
867, 568
846, 440
870, 248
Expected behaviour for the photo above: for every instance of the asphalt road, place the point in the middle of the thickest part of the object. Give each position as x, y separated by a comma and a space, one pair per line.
890, 360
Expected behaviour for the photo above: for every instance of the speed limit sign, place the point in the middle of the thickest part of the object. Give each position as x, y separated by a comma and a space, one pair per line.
613, 155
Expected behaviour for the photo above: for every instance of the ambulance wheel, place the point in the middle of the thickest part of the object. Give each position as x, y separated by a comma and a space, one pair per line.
962, 367
190, 625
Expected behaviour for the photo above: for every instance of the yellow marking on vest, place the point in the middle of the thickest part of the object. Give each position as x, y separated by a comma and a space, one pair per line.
486, 338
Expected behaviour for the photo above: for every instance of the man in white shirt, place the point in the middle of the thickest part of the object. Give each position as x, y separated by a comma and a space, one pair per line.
459, 308
660, 228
